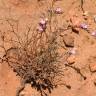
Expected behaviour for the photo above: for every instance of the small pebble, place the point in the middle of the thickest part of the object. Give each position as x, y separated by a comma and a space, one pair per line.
71, 59
73, 51
68, 40
46, 19
86, 13
93, 33
93, 67
95, 18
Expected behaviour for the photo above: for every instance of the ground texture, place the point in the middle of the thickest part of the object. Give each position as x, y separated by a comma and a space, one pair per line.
28, 12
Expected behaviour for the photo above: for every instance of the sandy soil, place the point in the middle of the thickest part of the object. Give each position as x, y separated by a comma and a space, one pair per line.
28, 12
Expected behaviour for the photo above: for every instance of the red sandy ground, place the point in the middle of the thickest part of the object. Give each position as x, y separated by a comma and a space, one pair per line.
29, 12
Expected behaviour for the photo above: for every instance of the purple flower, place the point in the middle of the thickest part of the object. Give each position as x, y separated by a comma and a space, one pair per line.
58, 11
42, 22
42, 25
40, 29
84, 26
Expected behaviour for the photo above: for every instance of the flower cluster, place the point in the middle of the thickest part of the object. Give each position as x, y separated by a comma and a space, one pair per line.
84, 26
58, 11
42, 25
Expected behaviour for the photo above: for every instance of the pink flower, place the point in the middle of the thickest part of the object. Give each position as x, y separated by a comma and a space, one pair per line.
46, 19
84, 26
58, 11
40, 29
42, 22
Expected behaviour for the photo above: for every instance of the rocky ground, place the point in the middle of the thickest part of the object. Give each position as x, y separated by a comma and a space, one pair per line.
77, 15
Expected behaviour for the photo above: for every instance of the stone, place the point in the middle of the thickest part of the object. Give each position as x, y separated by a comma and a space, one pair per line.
93, 33
71, 59
94, 18
75, 30
93, 67
84, 26
68, 40
86, 13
